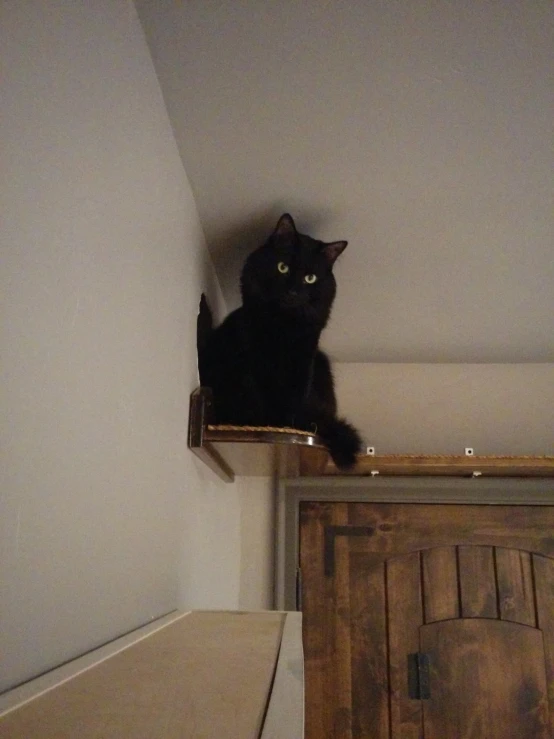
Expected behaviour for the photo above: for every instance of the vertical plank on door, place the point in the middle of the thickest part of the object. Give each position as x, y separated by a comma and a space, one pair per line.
370, 686
477, 582
440, 584
342, 674
404, 614
515, 586
543, 569
317, 607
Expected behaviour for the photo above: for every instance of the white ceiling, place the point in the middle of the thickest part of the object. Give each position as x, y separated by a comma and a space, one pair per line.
419, 130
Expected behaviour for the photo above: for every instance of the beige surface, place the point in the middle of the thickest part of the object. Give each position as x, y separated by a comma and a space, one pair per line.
206, 676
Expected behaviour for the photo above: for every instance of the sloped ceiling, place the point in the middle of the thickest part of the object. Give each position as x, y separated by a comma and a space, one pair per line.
420, 131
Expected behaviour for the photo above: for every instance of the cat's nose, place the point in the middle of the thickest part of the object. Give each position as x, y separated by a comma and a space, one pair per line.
293, 299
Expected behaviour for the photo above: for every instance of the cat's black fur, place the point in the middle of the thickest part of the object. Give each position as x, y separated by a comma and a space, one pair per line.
263, 363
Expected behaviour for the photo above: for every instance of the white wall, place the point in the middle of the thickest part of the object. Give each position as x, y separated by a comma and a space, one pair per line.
257, 526
443, 408
418, 130
106, 519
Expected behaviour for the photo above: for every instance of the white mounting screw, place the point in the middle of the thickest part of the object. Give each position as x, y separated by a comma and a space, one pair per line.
469, 451
370, 451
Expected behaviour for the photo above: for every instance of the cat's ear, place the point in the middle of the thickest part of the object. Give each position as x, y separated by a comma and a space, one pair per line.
332, 251
285, 226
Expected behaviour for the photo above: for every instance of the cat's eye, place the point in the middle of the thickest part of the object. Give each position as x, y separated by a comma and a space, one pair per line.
310, 279
283, 268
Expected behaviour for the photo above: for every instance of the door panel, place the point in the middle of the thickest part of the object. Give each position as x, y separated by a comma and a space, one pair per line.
487, 679
477, 582
375, 575
440, 584
368, 628
515, 586
402, 528
404, 616
543, 572
320, 642
343, 647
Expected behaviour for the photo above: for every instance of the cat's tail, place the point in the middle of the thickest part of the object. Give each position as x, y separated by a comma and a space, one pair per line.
204, 328
343, 441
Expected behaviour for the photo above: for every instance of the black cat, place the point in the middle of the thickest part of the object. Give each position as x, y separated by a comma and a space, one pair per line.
263, 363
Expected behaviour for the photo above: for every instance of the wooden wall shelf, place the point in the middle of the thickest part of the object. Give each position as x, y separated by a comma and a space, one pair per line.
252, 450
245, 450
433, 464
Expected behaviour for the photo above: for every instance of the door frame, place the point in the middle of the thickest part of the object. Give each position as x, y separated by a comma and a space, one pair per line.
436, 490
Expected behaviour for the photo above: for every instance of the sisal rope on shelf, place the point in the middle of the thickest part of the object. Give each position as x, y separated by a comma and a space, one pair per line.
272, 429
480, 457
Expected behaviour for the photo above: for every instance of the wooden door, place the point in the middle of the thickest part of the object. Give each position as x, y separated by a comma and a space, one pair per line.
399, 596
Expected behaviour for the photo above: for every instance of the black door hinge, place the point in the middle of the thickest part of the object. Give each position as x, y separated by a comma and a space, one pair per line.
418, 676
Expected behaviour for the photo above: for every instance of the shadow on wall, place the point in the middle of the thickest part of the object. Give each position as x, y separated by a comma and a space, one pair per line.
230, 245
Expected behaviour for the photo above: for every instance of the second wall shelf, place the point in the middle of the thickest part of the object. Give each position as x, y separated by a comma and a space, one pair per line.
287, 452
